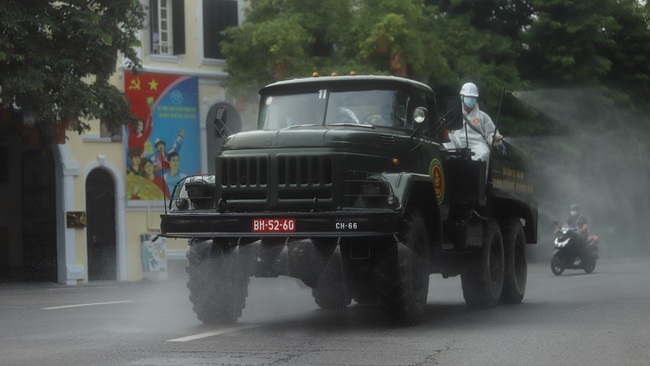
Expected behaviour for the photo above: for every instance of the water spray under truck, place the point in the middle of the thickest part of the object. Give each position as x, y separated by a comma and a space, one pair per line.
346, 185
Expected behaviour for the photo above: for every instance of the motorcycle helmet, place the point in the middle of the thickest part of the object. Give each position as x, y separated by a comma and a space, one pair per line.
575, 210
469, 90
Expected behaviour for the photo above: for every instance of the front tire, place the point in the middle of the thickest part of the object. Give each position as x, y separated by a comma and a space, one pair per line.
516, 266
218, 281
556, 265
402, 272
482, 279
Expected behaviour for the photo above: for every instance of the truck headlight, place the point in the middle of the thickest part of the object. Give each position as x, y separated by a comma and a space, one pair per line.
391, 200
365, 190
370, 189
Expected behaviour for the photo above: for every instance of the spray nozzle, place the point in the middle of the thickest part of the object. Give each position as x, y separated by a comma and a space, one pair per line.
513, 93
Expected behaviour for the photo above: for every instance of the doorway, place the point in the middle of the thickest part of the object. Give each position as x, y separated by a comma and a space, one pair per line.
100, 230
39, 252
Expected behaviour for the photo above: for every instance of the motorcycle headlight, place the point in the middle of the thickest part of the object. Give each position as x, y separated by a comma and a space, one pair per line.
560, 243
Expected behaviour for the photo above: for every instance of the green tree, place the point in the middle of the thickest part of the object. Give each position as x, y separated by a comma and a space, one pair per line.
565, 42
285, 38
600, 44
57, 56
630, 54
498, 44
399, 37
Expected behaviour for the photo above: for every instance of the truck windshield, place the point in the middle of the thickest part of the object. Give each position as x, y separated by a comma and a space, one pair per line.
378, 108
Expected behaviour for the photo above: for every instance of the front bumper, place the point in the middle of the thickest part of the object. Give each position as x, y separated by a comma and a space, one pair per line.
201, 224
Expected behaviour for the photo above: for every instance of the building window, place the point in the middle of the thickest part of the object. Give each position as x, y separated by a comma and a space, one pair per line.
217, 16
167, 19
114, 133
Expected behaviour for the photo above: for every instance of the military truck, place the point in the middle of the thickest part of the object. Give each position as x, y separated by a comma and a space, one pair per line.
347, 186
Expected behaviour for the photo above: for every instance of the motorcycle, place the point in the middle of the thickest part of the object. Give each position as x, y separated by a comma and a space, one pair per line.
568, 255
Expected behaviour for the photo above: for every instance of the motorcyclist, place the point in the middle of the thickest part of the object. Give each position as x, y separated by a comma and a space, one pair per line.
479, 132
579, 222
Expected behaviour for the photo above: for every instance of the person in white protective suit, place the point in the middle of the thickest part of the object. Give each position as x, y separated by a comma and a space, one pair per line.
478, 132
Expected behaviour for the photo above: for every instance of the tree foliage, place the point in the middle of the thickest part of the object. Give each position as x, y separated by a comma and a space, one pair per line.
498, 44
57, 56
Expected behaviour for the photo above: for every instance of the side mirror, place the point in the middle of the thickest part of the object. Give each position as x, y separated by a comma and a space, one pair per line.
453, 116
220, 119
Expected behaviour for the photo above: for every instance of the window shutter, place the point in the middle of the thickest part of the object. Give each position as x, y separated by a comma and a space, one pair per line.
153, 22
217, 16
178, 26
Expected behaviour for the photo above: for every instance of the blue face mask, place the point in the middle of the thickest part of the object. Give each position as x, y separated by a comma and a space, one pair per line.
470, 102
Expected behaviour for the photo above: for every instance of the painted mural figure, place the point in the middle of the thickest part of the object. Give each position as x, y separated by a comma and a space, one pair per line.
139, 134
174, 175
159, 160
148, 187
148, 169
135, 167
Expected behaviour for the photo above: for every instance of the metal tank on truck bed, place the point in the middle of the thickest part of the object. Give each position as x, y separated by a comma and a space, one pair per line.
346, 185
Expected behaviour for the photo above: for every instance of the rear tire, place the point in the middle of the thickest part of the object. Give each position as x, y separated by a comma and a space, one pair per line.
482, 279
402, 272
516, 266
590, 266
556, 266
218, 281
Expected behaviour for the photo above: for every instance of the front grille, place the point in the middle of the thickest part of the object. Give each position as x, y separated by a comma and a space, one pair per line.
303, 171
243, 179
304, 178
248, 171
283, 181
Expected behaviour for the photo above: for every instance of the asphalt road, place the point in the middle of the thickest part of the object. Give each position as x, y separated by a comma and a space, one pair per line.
574, 319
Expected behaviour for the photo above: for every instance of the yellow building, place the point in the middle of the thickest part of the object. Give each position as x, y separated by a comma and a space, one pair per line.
81, 217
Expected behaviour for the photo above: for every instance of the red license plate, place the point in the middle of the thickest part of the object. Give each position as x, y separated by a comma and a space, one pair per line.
274, 225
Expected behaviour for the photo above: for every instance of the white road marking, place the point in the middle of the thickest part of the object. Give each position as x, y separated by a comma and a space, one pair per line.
212, 334
89, 304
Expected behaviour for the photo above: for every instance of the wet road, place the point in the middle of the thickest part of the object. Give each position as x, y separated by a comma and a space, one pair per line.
574, 319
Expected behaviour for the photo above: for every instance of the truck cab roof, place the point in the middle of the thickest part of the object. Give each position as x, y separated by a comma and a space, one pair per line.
355, 81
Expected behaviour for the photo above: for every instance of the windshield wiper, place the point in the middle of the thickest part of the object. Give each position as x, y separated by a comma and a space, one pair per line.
351, 124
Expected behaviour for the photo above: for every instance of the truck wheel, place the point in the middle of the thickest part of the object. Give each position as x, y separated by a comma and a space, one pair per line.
218, 282
482, 279
516, 266
402, 272
331, 292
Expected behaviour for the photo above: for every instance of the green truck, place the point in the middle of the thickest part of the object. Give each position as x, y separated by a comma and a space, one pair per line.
347, 186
